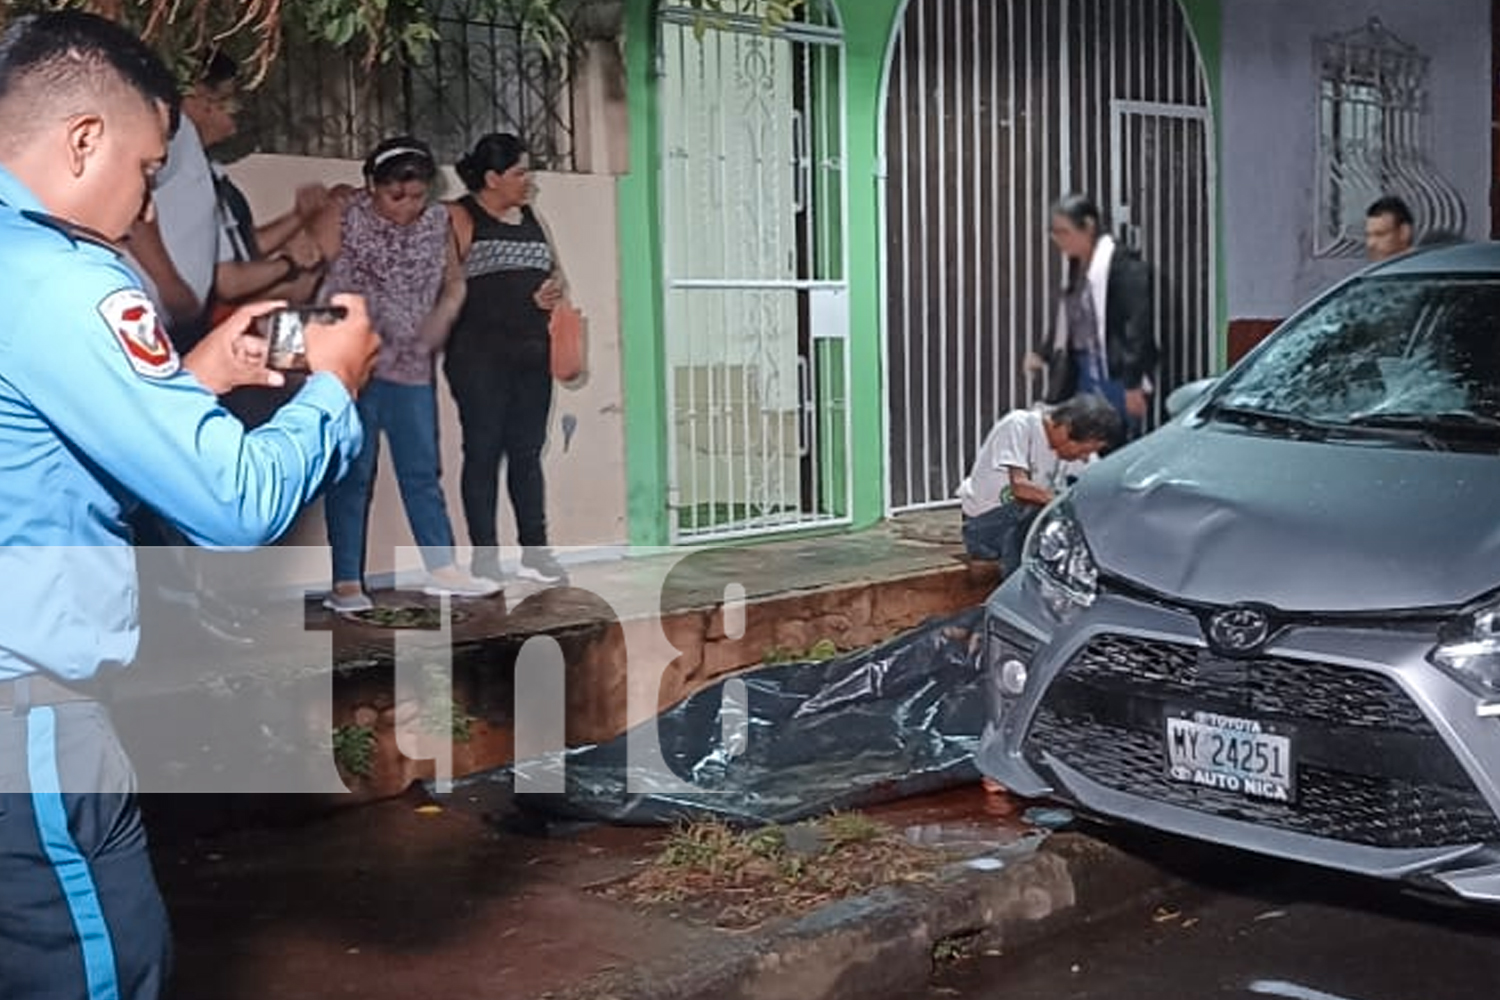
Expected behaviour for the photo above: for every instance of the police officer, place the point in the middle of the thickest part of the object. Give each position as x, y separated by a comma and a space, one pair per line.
98, 414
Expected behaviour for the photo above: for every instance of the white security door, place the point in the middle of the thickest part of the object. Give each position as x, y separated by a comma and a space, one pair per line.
756, 317
994, 110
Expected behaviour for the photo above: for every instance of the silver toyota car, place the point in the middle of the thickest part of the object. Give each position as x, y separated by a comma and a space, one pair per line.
1274, 623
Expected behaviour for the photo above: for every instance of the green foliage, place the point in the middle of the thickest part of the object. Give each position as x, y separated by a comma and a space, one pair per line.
544, 24
845, 828
253, 31
447, 719
438, 713
772, 13
706, 846
823, 649
354, 749
949, 950
819, 652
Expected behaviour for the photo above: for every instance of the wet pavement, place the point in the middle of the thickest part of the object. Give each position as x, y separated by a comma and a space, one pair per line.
1249, 928
411, 899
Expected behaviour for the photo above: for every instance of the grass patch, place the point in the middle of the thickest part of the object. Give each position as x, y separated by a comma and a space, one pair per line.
354, 749
445, 717
409, 616
741, 879
951, 950
818, 652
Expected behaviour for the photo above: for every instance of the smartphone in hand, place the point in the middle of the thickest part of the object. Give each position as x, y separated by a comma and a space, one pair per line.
285, 331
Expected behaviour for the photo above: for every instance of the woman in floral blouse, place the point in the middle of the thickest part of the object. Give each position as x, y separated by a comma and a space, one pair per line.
393, 245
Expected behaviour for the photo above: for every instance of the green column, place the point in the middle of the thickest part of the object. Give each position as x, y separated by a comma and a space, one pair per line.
868, 26
641, 353
1205, 18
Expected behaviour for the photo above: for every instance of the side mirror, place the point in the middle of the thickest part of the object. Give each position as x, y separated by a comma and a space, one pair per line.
1185, 396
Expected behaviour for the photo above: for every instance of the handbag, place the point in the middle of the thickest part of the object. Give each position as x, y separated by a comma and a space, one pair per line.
565, 331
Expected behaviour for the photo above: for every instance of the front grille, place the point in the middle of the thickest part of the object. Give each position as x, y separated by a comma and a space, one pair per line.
1371, 769
1264, 686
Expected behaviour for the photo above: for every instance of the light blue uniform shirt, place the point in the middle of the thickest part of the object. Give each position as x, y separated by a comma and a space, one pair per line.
96, 418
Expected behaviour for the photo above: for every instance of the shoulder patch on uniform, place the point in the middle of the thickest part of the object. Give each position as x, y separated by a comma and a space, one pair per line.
131, 317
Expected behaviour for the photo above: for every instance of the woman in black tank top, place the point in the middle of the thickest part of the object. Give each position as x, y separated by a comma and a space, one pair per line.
498, 356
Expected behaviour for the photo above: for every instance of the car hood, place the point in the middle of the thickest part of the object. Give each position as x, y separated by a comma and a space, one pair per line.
1221, 516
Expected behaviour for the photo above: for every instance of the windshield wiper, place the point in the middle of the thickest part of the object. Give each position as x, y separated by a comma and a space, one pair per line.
1250, 416
1311, 428
1461, 421
1459, 426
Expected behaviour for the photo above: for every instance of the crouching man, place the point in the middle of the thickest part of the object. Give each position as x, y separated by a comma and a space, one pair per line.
1028, 456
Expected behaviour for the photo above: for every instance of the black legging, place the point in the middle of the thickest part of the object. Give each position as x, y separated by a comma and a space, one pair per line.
504, 417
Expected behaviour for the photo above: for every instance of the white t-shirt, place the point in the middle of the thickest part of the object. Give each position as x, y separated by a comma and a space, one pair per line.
1098, 275
1018, 441
187, 210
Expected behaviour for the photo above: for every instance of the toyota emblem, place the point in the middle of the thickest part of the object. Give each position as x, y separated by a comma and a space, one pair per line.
1239, 630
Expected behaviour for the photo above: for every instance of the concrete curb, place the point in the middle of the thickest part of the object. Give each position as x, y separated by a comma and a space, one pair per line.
881, 945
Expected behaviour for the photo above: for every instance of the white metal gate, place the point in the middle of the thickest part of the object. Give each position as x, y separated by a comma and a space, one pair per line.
994, 110
756, 316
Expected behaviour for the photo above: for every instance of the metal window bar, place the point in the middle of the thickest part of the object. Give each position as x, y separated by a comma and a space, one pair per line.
480, 76
1372, 141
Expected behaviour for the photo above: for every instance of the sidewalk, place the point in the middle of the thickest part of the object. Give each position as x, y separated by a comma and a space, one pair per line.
385, 902
408, 898
251, 702
397, 900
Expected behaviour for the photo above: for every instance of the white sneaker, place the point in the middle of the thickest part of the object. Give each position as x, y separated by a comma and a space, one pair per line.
348, 604
453, 582
541, 565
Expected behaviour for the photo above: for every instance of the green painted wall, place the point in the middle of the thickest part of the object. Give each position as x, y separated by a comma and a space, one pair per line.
1205, 18
642, 358
868, 28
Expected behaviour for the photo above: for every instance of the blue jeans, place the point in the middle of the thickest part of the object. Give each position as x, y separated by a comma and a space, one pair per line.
1000, 533
408, 416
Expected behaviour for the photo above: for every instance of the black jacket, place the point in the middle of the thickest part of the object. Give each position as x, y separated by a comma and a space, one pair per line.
1129, 341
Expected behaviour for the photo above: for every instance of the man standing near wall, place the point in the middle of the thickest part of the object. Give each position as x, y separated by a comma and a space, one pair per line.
1388, 228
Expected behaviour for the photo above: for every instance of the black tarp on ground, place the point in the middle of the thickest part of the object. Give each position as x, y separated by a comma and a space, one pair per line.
887, 723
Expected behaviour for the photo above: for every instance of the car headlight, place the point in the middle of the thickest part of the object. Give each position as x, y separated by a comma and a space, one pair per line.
1469, 649
1058, 555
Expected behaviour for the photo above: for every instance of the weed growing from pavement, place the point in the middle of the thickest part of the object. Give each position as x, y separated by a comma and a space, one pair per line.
445, 717
741, 879
441, 715
846, 829
951, 949
820, 651
354, 749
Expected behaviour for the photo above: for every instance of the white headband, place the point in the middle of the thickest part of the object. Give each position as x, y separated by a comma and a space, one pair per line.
399, 151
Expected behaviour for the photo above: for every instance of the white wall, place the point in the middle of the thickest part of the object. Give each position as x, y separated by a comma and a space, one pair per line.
585, 483
1269, 131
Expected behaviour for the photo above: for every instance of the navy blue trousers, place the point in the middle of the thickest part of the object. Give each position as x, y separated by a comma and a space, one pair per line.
1091, 380
81, 917
1000, 533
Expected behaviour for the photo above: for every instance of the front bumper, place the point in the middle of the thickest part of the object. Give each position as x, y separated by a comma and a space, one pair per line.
1397, 775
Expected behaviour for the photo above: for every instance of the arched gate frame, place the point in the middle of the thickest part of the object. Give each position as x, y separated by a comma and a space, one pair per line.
993, 110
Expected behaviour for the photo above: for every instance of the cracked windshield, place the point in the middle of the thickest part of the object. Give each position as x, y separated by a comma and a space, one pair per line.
1384, 353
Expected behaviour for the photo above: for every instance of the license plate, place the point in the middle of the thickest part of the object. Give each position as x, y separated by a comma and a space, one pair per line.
1242, 756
